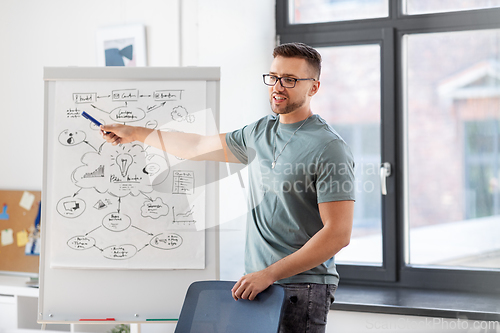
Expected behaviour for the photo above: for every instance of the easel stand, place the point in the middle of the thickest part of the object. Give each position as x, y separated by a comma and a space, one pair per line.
111, 244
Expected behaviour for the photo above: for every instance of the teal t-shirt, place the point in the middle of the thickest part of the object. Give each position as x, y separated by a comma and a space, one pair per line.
315, 166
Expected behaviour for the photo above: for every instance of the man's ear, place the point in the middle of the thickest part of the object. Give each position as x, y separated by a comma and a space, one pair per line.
314, 89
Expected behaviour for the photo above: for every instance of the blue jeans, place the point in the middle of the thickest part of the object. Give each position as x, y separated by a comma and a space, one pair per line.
306, 307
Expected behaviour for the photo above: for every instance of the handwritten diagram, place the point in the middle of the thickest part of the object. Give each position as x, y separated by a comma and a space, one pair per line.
131, 205
183, 217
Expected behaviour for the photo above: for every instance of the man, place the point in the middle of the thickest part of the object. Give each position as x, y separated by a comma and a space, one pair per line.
301, 183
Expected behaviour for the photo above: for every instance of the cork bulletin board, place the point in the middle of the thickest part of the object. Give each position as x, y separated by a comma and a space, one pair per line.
18, 211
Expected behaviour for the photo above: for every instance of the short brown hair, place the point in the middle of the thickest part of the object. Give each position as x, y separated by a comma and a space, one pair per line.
300, 50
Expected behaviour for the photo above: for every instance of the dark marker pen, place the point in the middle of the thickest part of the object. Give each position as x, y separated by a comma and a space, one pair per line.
92, 119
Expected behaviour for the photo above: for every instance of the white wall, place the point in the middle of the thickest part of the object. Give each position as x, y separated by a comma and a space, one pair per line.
236, 35
37, 33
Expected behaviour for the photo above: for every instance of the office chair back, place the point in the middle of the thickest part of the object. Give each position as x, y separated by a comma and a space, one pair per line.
210, 308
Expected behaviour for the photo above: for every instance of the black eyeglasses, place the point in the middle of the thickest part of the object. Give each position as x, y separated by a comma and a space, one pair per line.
286, 82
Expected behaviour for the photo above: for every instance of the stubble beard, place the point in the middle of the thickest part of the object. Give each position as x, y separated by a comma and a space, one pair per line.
289, 108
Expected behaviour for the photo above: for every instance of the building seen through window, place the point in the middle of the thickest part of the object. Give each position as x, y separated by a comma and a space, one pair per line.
453, 115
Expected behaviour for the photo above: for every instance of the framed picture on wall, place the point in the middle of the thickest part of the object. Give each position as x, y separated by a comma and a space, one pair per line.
123, 45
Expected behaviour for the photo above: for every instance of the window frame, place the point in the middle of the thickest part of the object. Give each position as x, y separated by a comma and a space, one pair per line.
389, 32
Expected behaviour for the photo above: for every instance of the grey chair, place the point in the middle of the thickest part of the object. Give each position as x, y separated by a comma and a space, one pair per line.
210, 308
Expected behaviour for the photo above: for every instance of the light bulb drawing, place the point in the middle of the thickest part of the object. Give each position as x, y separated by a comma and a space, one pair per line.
124, 161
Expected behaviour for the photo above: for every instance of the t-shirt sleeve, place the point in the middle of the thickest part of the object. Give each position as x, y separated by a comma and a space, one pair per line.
237, 144
335, 173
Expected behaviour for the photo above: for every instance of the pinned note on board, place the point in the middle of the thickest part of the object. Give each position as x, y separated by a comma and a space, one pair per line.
27, 200
7, 237
22, 238
3, 214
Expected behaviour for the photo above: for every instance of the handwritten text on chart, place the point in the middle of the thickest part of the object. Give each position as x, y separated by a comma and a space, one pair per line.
120, 252
167, 95
166, 242
125, 95
183, 182
80, 98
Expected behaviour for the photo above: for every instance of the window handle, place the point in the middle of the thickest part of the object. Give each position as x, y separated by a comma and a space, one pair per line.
385, 171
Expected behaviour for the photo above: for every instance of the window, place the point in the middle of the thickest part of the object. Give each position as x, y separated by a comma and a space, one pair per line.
355, 115
313, 11
422, 94
453, 110
442, 6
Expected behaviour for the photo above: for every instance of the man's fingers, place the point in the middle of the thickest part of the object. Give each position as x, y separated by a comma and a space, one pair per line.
234, 295
242, 290
111, 138
246, 293
108, 128
247, 288
252, 296
234, 290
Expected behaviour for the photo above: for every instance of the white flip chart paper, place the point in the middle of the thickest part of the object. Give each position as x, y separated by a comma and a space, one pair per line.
129, 206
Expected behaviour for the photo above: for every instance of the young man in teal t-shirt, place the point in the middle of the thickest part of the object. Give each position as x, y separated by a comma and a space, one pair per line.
301, 183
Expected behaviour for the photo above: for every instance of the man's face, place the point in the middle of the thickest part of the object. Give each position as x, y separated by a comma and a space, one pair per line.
287, 100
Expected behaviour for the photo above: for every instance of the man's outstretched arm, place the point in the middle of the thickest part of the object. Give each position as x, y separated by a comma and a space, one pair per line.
184, 145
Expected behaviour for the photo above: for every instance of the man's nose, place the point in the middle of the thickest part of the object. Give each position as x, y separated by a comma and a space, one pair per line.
278, 86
